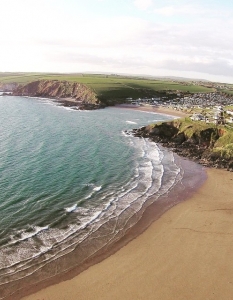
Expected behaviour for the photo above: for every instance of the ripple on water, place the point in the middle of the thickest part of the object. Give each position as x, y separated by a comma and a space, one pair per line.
71, 178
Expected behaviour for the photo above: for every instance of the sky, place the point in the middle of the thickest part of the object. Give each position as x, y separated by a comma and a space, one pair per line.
181, 38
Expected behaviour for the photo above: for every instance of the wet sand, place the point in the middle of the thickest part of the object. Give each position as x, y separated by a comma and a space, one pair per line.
193, 177
186, 254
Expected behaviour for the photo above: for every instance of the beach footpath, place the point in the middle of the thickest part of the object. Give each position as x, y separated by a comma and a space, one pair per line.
186, 254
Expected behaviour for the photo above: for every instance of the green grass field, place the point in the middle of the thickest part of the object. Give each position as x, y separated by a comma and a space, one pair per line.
109, 87
230, 92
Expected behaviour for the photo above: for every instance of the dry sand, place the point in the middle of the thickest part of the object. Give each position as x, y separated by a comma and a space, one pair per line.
153, 109
186, 254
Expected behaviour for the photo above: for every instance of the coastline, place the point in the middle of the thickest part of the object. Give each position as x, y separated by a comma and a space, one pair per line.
159, 208
159, 109
185, 254
193, 177
143, 224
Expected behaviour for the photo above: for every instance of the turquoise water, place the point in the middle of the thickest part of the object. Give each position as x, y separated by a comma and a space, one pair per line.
68, 177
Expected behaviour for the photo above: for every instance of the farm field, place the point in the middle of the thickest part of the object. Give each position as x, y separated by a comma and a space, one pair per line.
230, 92
110, 87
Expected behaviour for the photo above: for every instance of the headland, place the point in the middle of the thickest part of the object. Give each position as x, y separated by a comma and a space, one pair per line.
70, 94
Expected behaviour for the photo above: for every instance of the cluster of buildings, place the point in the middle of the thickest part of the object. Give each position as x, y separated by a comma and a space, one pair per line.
208, 107
205, 100
143, 101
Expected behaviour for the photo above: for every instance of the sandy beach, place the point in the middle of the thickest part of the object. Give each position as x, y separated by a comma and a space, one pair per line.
186, 254
158, 109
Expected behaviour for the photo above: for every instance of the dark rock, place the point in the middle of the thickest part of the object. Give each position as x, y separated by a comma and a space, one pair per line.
179, 138
164, 130
6, 94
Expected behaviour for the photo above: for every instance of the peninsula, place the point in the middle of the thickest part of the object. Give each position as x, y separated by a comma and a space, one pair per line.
66, 93
208, 144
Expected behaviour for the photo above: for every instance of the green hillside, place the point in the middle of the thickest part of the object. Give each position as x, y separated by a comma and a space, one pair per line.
110, 87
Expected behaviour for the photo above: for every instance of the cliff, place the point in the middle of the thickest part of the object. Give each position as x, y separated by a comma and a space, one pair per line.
8, 87
204, 143
68, 93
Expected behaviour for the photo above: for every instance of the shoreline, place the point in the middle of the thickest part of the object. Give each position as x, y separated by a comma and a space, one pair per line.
159, 110
186, 254
158, 209
150, 215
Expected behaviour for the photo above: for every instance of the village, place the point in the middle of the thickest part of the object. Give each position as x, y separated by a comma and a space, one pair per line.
212, 107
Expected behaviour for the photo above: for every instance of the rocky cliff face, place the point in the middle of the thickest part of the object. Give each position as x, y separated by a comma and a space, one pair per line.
68, 93
210, 146
8, 87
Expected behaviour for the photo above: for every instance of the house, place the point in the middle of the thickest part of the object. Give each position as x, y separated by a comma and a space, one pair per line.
229, 112
229, 120
197, 117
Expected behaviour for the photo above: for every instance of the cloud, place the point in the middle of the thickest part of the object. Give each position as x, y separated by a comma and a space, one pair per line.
134, 45
213, 67
187, 37
107, 32
143, 4
174, 10
199, 12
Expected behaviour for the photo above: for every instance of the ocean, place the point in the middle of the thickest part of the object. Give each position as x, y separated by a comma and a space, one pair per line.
71, 183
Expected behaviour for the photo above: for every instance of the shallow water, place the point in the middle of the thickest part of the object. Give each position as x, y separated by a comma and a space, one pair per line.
70, 177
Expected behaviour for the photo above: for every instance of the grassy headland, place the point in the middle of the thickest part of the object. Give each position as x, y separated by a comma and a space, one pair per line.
112, 88
208, 144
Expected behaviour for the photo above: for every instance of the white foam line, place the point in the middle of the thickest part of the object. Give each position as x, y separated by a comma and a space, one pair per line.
97, 188
26, 235
131, 122
148, 153
71, 208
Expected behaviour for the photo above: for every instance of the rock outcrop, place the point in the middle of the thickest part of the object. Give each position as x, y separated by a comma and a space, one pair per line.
8, 87
208, 145
67, 93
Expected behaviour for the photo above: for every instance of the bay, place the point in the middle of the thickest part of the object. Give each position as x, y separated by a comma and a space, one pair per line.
67, 177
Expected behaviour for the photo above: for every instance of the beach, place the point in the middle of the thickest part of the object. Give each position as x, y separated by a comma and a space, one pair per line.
177, 250
186, 254
156, 109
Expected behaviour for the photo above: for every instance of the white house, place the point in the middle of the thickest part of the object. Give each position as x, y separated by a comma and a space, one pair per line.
197, 117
